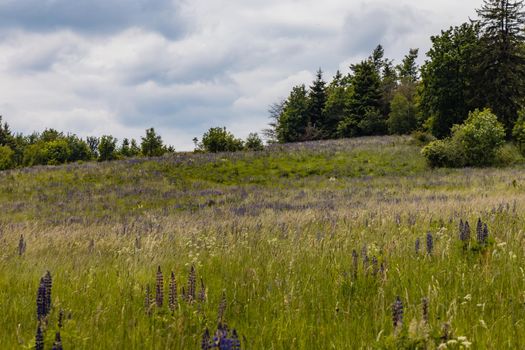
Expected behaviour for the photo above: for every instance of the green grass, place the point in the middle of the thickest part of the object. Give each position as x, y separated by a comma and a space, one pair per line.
275, 231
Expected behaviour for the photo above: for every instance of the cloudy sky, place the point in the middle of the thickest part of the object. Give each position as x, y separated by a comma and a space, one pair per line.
116, 67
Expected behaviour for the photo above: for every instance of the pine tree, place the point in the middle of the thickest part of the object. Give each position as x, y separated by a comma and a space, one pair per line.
317, 101
293, 121
502, 60
364, 115
336, 105
408, 70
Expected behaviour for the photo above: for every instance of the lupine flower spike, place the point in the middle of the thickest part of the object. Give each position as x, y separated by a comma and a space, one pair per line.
172, 292
397, 313
159, 291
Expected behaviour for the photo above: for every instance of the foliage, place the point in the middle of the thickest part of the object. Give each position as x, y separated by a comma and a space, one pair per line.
107, 148
220, 140
6, 158
294, 117
449, 89
476, 142
501, 63
481, 135
402, 119
317, 101
152, 144
254, 143
444, 153
364, 116
518, 132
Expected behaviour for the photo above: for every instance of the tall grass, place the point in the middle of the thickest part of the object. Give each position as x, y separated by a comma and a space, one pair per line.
321, 259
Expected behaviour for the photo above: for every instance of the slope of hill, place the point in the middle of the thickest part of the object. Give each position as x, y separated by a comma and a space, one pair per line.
304, 246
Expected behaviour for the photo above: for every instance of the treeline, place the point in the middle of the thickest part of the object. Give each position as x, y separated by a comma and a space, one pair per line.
52, 147
477, 65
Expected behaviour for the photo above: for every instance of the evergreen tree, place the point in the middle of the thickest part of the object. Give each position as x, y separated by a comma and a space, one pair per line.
336, 104
448, 88
293, 121
388, 86
377, 58
364, 116
275, 110
408, 70
502, 60
317, 101
152, 145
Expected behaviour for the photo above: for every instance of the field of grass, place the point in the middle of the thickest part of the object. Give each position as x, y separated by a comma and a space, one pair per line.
310, 244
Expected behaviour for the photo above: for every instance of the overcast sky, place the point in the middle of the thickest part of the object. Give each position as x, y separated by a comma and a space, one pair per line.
95, 67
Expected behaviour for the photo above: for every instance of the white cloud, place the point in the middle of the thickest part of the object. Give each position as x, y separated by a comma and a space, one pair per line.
183, 66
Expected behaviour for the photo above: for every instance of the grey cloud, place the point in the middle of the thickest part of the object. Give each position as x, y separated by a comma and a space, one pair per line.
368, 26
93, 16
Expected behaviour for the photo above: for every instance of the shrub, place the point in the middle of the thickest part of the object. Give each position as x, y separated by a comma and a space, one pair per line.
254, 143
6, 158
220, 140
47, 153
518, 132
481, 136
422, 138
476, 142
444, 153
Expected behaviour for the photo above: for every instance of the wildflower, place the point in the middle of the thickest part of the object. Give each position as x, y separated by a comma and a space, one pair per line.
479, 231
159, 292
172, 295
48, 281
425, 309
191, 284
464, 233
57, 345
397, 313
39, 338
418, 245
60, 318
202, 292
205, 344
21, 246
430, 243
41, 304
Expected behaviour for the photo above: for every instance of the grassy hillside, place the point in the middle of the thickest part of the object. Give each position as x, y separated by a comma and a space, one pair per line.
275, 232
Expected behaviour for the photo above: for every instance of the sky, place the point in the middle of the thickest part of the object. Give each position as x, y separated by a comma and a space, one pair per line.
96, 67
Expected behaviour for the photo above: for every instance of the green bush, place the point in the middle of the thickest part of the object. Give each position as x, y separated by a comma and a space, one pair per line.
47, 153
474, 143
254, 143
6, 158
444, 153
220, 140
481, 136
518, 132
508, 154
422, 138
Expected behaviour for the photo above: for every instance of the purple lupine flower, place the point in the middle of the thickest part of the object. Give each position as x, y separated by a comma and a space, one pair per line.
397, 313
57, 345
425, 309
418, 245
159, 291
172, 295
39, 338
430, 243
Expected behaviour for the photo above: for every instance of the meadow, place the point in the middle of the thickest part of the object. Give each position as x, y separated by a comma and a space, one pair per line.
343, 244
